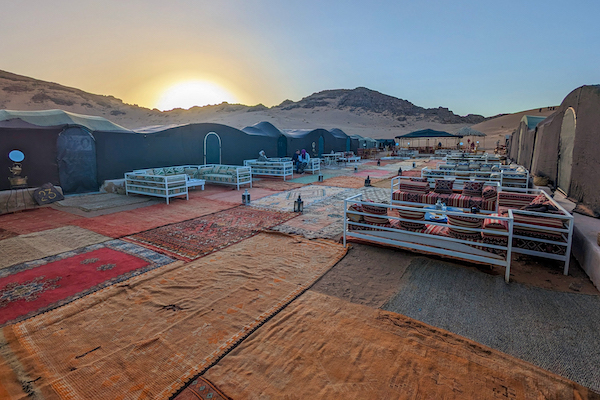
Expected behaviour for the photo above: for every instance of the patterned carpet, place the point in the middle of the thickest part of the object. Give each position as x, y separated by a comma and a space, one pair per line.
344, 181
326, 218
276, 185
145, 339
5, 234
34, 287
285, 201
197, 237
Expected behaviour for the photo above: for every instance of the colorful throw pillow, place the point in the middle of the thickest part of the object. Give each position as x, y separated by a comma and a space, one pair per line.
375, 210
489, 192
443, 186
159, 171
416, 179
191, 172
472, 188
414, 187
541, 204
355, 217
179, 170
412, 214
169, 170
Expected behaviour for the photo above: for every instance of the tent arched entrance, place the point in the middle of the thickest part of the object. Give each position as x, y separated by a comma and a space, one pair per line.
212, 148
565, 154
282, 147
76, 159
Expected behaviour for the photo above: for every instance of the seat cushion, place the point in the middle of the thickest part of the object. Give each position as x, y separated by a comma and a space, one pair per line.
379, 214
489, 192
355, 217
415, 187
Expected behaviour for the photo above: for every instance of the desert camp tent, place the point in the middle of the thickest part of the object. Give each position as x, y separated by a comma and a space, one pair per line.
522, 142
59, 147
383, 143
159, 146
337, 140
428, 138
275, 142
312, 140
473, 135
567, 146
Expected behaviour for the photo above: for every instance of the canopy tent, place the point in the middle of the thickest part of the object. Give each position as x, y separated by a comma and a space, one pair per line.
468, 131
417, 138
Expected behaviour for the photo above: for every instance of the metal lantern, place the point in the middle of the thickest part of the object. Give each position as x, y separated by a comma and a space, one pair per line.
379, 163
368, 181
320, 177
414, 164
355, 168
246, 197
298, 204
399, 171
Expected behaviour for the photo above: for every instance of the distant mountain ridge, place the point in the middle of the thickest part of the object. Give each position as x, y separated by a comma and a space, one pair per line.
369, 100
24, 93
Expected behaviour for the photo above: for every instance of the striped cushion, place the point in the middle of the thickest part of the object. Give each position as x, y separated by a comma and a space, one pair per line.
412, 226
355, 217
412, 214
472, 188
495, 224
466, 222
488, 205
418, 179
413, 197
415, 187
443, 186
514, 200
459, 200
376, 210
489, 192
537, 220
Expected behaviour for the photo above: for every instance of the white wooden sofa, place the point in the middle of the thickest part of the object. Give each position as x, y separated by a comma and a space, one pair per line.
314, 165
273, 167
167, 182
476, 238
225, 174
538, 232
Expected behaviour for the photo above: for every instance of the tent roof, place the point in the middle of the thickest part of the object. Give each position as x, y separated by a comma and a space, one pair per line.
468, 131
338, 133
263, 128
532, 121
427, 133
60, 117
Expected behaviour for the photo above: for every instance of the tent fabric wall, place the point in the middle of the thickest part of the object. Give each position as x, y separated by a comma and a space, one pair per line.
307, 139
585, 180
270, 136
337, 140
76, 157
39, 146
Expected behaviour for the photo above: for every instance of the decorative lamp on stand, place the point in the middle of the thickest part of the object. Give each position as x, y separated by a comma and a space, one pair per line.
320, 177
298, 205
246, 197
17, 181
355, 168
379, 163
399, 171
368, 181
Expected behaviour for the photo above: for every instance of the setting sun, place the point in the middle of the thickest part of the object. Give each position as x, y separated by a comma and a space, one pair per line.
193, 93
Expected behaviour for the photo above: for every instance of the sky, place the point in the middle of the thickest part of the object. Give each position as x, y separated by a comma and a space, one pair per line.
471, 56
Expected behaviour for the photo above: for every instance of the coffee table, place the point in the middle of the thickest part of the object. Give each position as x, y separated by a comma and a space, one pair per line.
438, 217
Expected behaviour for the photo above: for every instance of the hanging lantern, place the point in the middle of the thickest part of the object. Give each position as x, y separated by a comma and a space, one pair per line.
298, 204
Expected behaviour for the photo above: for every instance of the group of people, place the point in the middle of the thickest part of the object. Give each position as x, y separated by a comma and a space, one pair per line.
300, 159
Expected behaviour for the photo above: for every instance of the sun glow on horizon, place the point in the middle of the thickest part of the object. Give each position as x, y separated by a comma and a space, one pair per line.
194, 93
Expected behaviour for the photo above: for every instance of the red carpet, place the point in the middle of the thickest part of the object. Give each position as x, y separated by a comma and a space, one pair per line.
34, 287
36, 220
192, 239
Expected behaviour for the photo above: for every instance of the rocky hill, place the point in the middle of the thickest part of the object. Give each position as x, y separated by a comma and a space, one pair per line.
366, 100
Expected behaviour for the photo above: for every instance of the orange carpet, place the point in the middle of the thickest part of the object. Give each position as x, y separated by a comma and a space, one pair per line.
148, 336
322, 347
126, 223
276, 184
344, 181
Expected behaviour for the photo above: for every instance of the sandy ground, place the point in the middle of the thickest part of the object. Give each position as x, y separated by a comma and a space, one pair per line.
371, 274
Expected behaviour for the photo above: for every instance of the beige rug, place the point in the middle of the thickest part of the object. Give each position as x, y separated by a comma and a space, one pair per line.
146, 337
322, 347
34, 246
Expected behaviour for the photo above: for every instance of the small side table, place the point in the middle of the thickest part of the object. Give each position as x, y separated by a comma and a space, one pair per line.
190, 183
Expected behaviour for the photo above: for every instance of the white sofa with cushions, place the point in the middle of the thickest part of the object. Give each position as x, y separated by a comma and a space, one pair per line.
272, 167
225, 174
165, 182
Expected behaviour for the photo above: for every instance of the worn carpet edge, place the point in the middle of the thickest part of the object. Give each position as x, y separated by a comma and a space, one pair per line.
234, 342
